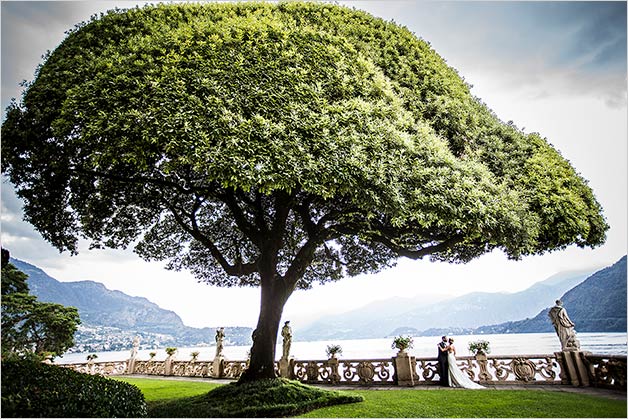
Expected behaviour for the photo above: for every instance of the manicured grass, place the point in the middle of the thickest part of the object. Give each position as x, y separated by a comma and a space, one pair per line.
474, 403
411, 402
265, 398
159, 389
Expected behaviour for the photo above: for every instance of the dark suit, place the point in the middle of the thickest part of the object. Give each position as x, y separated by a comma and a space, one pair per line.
443, 365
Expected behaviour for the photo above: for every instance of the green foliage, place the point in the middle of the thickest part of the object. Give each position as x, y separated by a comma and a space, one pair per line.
402, 343
32, 329
91, 357
332, 350
171, 351
33, 389
263, 398
166, 113
479, 346
13, 280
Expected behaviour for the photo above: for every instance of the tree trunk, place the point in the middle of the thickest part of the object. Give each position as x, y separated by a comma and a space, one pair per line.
262, 364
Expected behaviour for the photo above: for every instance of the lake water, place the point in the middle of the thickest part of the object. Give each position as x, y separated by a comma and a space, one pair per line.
425, 346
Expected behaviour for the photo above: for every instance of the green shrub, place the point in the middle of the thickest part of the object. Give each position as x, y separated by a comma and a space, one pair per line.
33, 389
264, 398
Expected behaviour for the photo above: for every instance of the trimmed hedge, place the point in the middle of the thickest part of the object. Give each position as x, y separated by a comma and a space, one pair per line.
33, 389
268, 398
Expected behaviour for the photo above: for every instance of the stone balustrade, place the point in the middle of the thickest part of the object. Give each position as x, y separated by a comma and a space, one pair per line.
100, 368
607, 371
599, 370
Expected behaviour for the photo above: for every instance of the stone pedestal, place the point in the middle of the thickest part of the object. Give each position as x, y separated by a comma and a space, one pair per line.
130, 366
403, 368
218, 367
168, 366
285, 367
574, 370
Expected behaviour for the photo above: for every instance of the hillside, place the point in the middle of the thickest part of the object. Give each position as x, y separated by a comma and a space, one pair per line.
119, 313
596, 305
388, 317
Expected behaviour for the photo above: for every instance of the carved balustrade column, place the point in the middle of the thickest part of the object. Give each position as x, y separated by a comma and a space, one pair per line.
482, 361
334, 375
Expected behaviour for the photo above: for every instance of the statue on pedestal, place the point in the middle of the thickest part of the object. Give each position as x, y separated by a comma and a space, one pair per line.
564, 327
286, 333
220, 335
136, 345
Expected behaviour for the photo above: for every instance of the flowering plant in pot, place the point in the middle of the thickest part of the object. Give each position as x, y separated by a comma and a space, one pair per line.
402, 343
479, 347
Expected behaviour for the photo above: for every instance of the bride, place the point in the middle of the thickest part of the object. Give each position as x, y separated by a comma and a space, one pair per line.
458, 378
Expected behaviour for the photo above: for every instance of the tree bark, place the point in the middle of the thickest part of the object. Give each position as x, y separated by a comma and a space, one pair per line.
262, 364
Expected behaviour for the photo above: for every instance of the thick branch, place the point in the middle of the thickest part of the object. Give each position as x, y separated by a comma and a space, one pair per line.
243, 223
381, 236
238, 269
135, 179
424, 251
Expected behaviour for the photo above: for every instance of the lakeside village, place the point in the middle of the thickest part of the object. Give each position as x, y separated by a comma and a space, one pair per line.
90, 338
104, 338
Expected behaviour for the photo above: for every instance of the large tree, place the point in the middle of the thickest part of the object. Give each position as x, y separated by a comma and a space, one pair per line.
278, 146
31, 328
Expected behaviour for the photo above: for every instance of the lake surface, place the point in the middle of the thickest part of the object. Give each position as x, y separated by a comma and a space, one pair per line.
425, 346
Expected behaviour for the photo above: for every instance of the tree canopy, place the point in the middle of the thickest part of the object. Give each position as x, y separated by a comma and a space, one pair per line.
259, 144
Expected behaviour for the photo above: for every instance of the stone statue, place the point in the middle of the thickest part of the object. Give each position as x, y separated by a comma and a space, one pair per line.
136, 345
564, 327
286, 333
220, 335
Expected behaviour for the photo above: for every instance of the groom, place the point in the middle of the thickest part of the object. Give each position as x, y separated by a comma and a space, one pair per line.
443, 365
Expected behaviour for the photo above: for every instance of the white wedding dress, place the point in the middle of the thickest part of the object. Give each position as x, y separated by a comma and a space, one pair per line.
458, 378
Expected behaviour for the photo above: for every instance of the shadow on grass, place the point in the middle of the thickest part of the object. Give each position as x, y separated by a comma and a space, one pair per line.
265, 398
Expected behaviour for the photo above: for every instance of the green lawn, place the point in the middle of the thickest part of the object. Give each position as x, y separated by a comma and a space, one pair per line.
425, 403
159, 389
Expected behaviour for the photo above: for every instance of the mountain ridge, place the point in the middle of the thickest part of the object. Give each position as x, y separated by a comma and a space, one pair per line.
589, 304
463, 312
100, 307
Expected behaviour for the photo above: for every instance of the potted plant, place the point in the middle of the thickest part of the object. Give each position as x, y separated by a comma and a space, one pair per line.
479, 347
152, 355
194, 355
171, 351
333, 350
402, 343
91, 357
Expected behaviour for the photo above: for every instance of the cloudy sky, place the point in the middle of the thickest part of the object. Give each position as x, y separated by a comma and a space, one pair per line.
557, 68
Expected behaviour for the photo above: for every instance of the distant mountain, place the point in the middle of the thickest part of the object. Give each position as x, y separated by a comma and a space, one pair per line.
388, 317
115, 310
369, 321
596, 305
